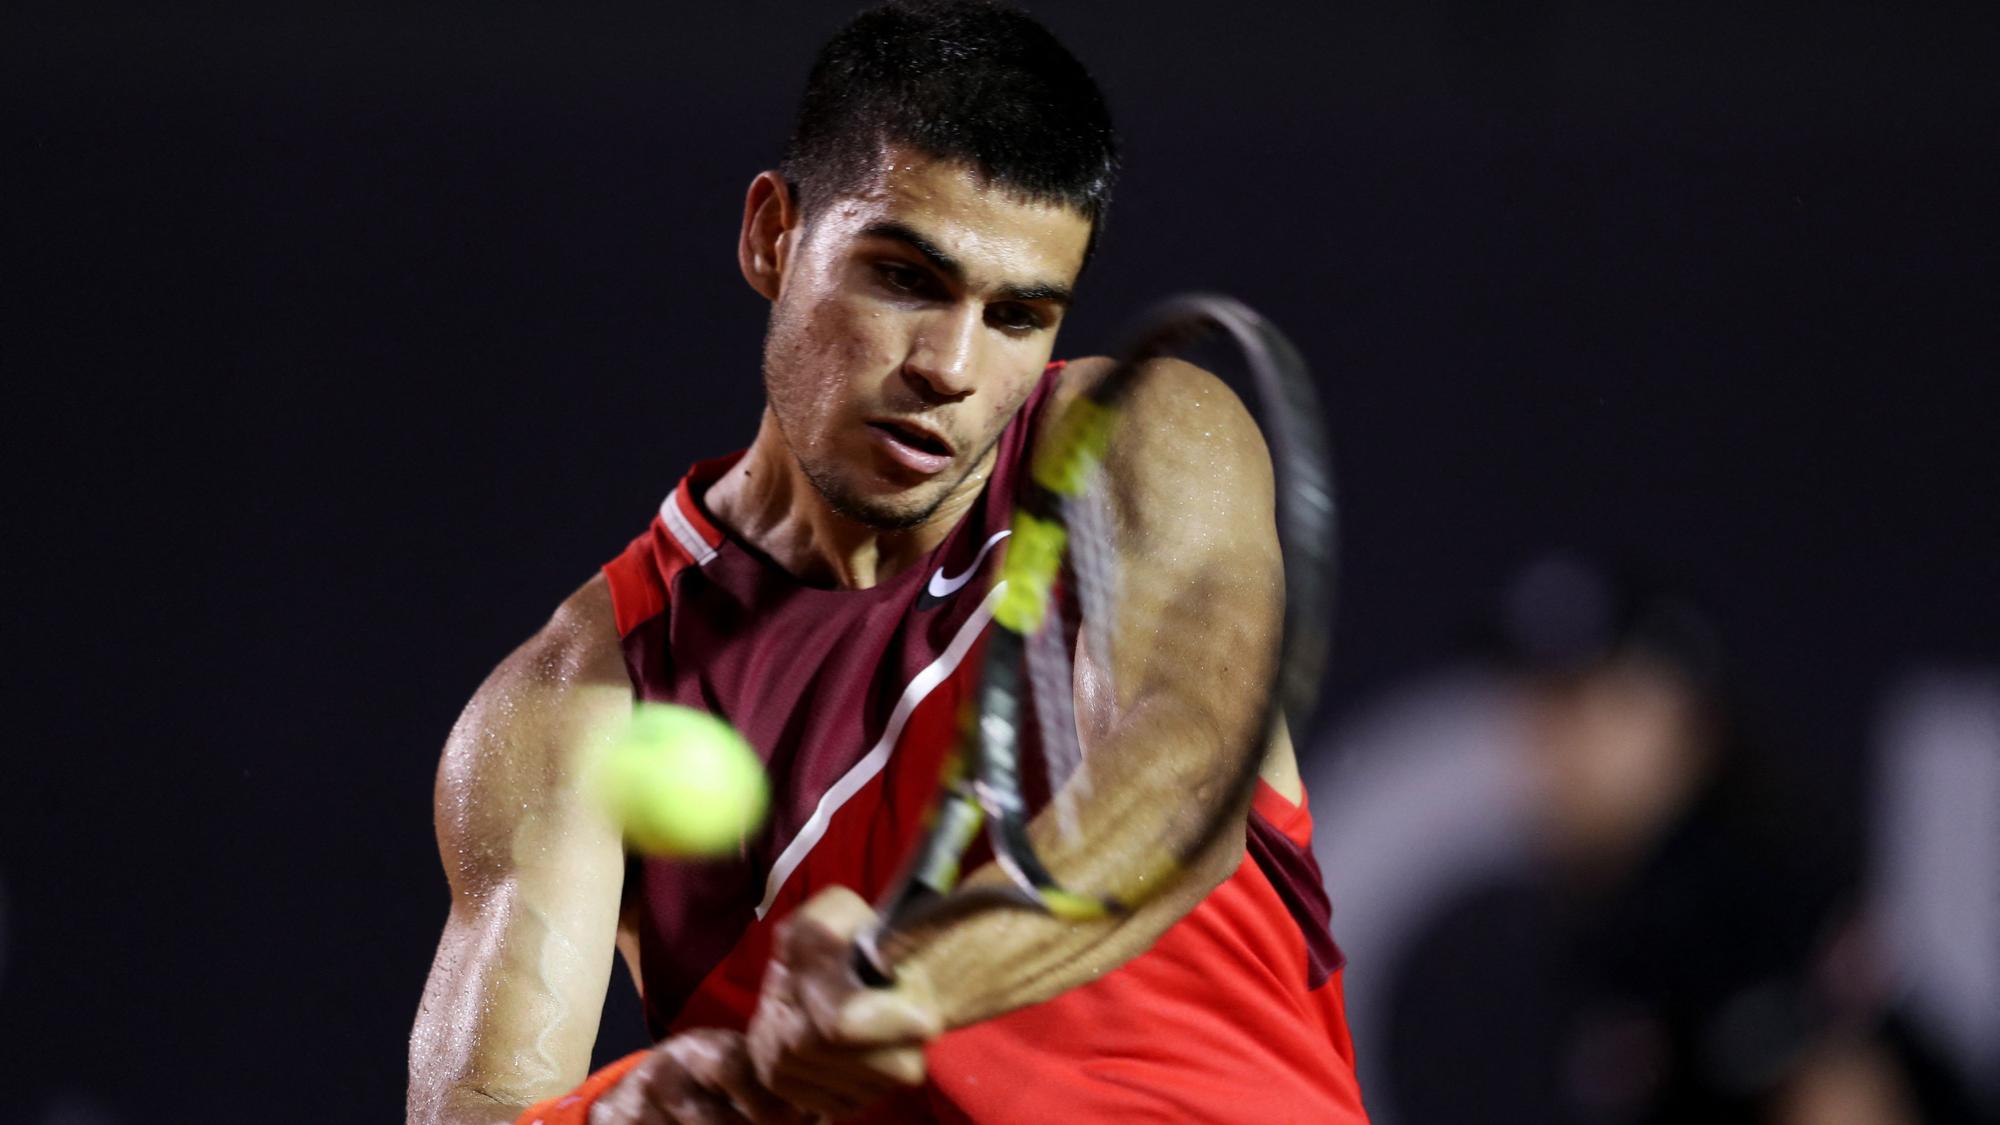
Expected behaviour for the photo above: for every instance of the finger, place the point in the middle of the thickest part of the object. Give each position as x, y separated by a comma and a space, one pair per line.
812, 1099
816, 960
861, 1074
890, 1017
839, 911
826, 1079
777, 1029
706, 1054
856, 1078
631, 1101
901, 1066
729, 1069
703, 1107
759, 1104
669, 1088
812, 1078
791, 1063
681, 1099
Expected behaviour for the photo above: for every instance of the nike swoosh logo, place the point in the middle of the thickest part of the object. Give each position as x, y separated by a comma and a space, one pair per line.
943, 587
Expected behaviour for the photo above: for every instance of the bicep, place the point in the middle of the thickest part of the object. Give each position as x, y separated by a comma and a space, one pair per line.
1202, 580
510, 1010
1199, 610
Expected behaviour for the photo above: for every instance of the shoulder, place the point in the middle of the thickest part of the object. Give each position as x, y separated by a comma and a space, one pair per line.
1184, 447
576, 652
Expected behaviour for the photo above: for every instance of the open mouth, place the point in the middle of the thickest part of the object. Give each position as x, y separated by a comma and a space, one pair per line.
917, 451
916, 439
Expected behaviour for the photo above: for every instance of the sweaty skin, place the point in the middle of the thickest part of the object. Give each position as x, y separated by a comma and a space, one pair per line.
910, 321
510, 1011
927, 300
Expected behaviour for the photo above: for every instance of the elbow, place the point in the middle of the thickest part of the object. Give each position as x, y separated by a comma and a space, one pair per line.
1212, 866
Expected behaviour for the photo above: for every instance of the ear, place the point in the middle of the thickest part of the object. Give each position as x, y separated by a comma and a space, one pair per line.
770, 230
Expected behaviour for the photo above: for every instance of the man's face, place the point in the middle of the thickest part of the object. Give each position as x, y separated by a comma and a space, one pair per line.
912, 320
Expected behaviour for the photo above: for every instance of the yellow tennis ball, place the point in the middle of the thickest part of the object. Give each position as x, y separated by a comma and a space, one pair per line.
682, 782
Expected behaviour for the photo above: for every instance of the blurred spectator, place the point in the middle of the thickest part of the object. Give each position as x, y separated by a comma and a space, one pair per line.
1568, 895
1934, 883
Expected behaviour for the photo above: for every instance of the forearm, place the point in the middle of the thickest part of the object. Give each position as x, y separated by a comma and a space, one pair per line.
984, 964
1025, 957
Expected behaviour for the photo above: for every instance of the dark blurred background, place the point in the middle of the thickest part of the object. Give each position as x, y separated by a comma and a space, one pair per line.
344, 340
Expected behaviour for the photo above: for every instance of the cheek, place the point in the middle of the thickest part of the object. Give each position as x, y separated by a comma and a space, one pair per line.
998, 410
827, 346
1000, 413
849, 328
1025, 380
866, 340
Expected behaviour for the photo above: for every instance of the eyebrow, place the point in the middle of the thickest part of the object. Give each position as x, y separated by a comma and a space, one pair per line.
951, 267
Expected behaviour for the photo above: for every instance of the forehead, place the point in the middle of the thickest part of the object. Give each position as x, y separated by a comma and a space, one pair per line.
994, 230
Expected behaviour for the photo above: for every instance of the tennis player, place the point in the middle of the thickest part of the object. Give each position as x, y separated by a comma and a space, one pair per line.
824, 590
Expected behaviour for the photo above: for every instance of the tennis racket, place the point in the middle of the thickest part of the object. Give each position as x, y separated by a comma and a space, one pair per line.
1019, 753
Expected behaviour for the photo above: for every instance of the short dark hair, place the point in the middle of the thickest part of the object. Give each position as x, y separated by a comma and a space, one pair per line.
961, 80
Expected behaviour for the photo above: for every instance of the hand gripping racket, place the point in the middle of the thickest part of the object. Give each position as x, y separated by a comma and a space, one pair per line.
1062, 588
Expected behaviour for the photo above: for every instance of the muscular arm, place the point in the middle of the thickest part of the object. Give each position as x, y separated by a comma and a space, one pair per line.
1202, 587
510, 1011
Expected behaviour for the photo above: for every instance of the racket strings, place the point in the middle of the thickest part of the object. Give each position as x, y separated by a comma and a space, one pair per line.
1092, 575
1050, 677
1094, 560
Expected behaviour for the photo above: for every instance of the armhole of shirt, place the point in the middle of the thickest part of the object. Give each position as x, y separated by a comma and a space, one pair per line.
637, 593
1294, 820
641, 576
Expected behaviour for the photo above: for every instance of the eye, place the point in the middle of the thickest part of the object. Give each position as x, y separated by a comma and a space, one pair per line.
902, 278
1016, 317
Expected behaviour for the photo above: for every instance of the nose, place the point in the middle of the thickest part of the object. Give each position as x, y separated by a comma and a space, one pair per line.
943, 359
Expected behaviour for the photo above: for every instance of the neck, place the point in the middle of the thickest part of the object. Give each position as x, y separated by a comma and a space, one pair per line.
767, 501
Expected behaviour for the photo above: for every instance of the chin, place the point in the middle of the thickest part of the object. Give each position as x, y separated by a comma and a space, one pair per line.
893, 512
886, 517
